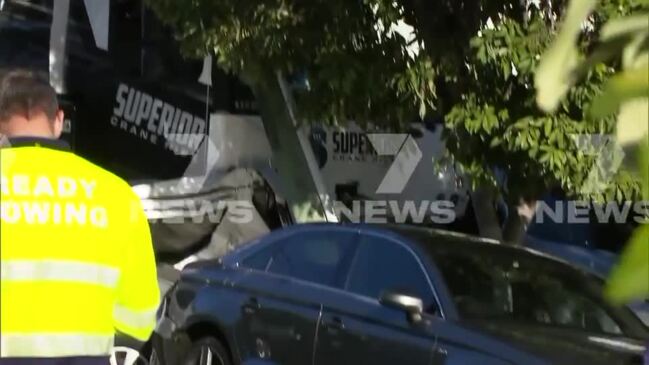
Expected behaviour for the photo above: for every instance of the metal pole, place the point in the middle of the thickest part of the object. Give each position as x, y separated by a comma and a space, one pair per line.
325, 199
58, 39
143, 45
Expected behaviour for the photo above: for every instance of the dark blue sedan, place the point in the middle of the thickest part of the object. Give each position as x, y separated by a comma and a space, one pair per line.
350, 294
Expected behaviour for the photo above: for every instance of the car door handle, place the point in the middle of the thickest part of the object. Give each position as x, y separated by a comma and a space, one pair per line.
251, 306
335, 324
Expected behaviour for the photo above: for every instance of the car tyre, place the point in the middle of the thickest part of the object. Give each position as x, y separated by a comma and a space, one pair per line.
208, 351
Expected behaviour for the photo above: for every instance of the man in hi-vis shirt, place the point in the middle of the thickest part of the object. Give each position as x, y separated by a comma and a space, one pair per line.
76, 252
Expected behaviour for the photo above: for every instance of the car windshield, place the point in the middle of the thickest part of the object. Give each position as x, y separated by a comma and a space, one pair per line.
494, 282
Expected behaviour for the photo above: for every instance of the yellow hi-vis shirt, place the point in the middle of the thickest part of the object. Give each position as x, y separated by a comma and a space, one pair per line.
76, 254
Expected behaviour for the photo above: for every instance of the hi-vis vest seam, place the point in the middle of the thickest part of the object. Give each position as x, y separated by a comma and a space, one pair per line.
135, 318
55, 345
59, 270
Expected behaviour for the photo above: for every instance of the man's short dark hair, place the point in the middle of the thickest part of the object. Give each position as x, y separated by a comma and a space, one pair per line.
24, 92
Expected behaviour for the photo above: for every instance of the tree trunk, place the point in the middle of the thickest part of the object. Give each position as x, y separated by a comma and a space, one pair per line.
483, 201
517, 221
288, 155
515, 227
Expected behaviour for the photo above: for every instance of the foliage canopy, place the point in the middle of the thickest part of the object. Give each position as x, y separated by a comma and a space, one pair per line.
468, 63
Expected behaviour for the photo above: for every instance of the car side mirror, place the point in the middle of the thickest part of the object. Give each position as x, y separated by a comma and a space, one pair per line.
413, 306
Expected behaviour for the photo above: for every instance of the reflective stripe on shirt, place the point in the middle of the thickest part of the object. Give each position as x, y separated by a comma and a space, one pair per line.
55, 345
135, 318
59, 270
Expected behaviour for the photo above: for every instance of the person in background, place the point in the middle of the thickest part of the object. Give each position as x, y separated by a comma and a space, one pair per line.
77, 260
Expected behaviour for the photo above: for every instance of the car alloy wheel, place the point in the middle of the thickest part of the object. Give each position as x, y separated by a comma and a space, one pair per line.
207, 351
127, 356
210, 357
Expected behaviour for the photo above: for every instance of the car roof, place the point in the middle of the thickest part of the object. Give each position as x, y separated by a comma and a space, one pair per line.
437, 240
428, 238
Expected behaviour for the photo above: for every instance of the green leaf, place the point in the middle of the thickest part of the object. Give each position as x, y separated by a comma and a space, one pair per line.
422, 109
555, 72
643, 168
604, 52
636, 52
561, 141
633, 122
630, 279
522, 123
547, 126
625, 27
626, 85
482, 55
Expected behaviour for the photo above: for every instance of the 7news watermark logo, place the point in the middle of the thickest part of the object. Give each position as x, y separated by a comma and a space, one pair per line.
609, 156
585, 212
407, 156
190, 200
401, 146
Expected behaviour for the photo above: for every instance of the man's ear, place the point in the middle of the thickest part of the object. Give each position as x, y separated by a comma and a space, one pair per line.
58, 123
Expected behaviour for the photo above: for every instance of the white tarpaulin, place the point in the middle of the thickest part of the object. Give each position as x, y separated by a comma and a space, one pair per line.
58, 34
99, 15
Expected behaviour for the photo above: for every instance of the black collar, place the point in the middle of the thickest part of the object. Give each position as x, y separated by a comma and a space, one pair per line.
55, 144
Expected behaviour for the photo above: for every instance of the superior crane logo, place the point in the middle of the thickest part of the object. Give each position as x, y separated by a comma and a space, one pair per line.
156, 121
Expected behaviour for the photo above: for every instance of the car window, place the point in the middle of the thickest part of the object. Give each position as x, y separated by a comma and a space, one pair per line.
315, 256
382, 265
516, 288
258, 260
